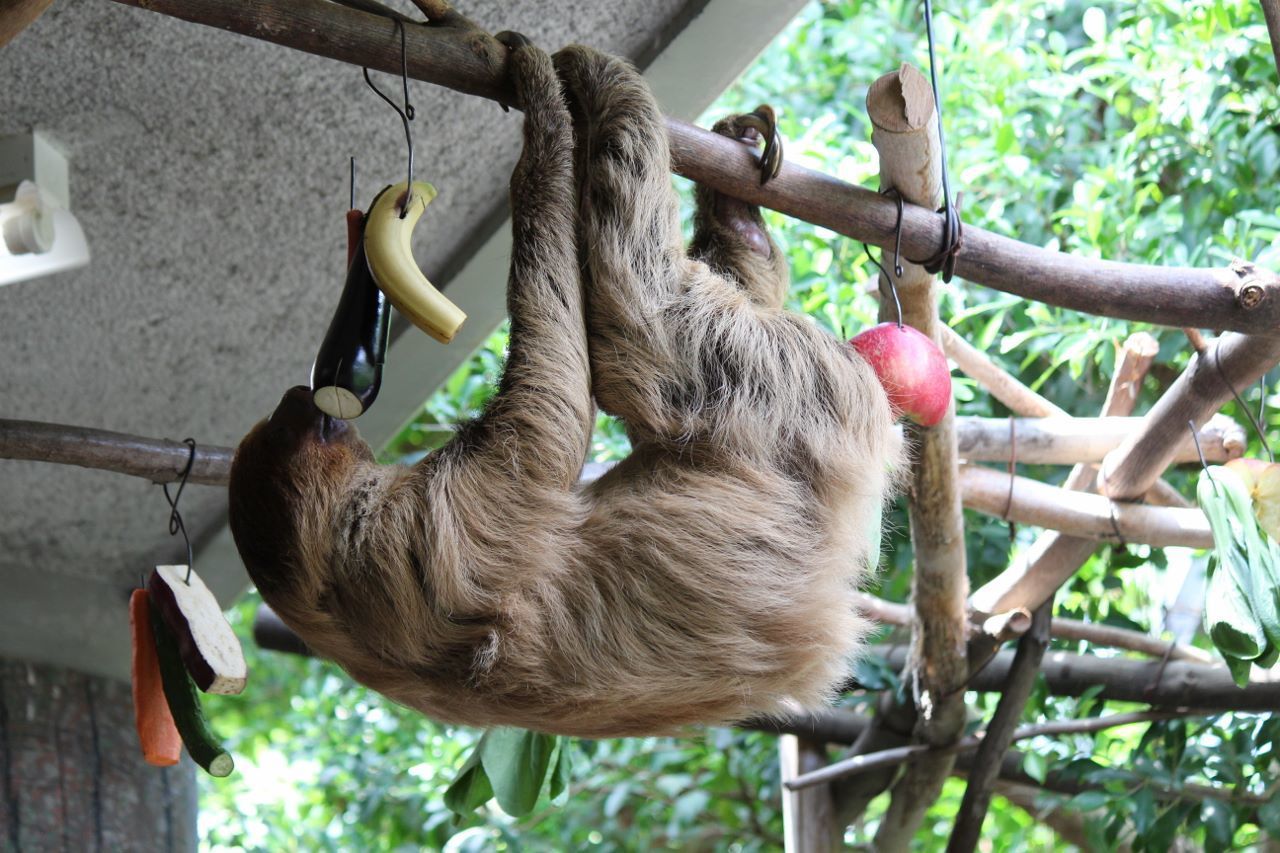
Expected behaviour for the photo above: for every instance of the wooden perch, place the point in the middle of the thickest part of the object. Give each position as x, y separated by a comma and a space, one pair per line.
1231, 361
1241, 297
1134, 467
918, 752
975, 364
1179, 684
156, 459
1080, 514
905, 133
17, 15
1071, 441
1000, 733
1046, 441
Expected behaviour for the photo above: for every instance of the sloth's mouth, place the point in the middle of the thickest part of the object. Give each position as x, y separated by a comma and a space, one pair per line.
298, 414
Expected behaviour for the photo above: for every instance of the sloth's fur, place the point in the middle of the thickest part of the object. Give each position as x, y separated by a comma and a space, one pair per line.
705, 578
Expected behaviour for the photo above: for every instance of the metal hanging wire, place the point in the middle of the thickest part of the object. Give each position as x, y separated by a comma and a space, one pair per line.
176, 524
406, 114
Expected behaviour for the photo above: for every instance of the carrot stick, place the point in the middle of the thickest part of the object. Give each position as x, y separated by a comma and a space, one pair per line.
161, 744
355, 227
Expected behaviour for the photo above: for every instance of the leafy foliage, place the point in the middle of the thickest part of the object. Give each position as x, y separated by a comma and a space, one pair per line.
1141, 132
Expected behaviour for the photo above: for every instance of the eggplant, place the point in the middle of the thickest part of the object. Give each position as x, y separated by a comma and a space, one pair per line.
347, 371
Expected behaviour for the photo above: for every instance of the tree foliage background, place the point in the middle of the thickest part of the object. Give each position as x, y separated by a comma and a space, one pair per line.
1133, 131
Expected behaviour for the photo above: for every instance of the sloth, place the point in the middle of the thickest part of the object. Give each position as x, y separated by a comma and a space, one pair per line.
706, 578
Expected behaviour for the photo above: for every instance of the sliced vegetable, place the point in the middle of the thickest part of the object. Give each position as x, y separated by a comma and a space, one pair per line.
1240, 604
161, 743
208, 646
184, 702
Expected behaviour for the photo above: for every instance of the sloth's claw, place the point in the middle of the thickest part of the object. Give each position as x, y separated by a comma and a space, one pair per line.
762, 123
512, 39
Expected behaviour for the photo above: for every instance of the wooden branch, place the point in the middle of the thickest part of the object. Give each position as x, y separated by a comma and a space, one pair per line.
1080, 513
1123, 638
1132, 364
1069, 441
905, 133
1135, 466
1271, 11
807, 816
915, 752
1000, 733
156, 459
1241, 297
17, 15
852, 726
1232, 360
1051, 441
1181, 684
1007, 389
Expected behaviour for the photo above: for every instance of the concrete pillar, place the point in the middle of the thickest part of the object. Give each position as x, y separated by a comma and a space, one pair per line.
71, 775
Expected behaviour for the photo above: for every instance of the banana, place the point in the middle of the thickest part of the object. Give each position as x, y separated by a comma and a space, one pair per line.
387, 246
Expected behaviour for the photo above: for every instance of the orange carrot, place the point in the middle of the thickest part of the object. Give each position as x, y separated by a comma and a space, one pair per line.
355, 230
161, 744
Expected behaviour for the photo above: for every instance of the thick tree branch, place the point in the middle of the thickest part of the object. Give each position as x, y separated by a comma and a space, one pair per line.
1242, 297
890, 613
905, 133
1030, 502
1231, 361
1000, 733
1069, 441
159, 460
1133, 467
1051, 441
1179, 684
1271, 11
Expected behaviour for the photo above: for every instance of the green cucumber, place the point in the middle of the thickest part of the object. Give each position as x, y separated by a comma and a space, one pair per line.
184, 702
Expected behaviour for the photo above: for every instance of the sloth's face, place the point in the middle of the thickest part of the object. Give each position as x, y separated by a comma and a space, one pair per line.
288, 475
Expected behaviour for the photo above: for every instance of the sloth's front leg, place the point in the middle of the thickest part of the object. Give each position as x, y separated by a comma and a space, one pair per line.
538, 426
729, 234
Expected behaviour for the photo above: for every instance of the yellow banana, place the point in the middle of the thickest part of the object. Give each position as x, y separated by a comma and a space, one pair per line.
390, 254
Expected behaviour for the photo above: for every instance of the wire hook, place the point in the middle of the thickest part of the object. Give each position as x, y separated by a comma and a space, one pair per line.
406, 114
175, 518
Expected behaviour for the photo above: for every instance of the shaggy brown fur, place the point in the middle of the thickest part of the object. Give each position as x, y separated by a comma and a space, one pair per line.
705, 578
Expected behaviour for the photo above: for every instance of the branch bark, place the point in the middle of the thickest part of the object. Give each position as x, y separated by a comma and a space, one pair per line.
920, 752
1000, 733
1241, 297
1048, 441
1070, 441
905, 133
1232, 361
159, 460
1181, 684
808, 815
18, 15
1080, 514
1271, 11
1020, 399
891, 613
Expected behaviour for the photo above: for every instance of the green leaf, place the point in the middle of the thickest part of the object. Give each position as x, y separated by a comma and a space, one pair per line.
562, 772
1036, 765
471, 788
516, 762
1089, 801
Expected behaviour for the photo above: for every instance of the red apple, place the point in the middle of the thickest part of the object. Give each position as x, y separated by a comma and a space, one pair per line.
911, 368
